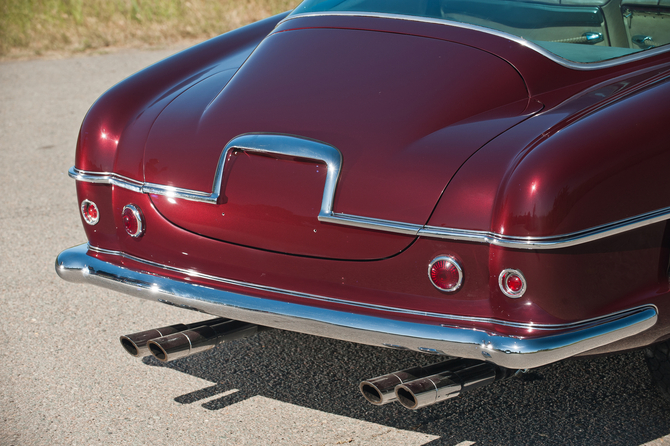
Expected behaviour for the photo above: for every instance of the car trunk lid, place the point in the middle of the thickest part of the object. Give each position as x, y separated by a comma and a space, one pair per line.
404, 112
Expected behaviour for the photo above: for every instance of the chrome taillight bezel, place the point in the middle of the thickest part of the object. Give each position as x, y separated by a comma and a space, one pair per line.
85, 206
139, 218
451, 260
504, 287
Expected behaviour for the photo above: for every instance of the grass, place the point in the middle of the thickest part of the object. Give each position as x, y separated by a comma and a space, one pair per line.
36, 27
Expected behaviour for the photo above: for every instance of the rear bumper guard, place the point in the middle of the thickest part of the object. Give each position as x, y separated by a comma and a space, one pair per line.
75, 265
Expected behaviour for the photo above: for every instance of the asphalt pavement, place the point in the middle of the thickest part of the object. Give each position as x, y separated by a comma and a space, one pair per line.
64, 379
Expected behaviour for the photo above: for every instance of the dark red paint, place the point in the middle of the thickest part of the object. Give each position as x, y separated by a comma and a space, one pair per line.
437, 125
403, 131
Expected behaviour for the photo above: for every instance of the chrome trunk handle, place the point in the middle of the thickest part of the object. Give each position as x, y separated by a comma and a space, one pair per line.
286, 146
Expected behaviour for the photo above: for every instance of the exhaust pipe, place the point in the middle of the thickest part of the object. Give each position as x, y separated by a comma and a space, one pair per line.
448, 384
199, 339
136, 343
381, 390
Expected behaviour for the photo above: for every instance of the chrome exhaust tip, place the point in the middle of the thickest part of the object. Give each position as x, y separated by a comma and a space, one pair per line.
423, 386
377, 391
446, 385
136, 343
381, 390
189, 342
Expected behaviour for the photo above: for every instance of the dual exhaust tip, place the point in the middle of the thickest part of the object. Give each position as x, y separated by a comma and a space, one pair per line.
182, 340
414, 388
419, 387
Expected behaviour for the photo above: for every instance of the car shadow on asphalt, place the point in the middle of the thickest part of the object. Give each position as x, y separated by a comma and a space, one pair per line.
606, 400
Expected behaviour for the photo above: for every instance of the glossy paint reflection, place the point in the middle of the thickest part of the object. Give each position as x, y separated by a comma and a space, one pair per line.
352, 326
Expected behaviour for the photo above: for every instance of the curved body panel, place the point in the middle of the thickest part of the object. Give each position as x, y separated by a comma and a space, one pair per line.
415, 127
300, 170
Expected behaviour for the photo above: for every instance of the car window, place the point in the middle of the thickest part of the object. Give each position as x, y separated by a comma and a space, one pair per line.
577, 30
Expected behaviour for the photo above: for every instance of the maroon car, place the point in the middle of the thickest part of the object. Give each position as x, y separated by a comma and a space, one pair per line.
486, 180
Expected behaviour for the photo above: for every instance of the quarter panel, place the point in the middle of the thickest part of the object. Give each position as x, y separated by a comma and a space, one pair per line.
606, 166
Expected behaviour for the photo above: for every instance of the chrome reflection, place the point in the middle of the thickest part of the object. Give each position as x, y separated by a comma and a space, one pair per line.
548, 242
136, 343
90, 212
381, 390
285, 145
75, 265
199, 339
267, 144
132, 215
447, 384
105, 178
506, 288
449, 260
448, 318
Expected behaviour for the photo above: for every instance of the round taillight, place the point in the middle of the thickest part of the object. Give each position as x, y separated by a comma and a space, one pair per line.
445, 273
89, 211
512, 283
132, 220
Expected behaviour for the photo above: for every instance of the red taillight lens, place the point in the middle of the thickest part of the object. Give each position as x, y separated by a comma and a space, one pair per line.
445, 273
132, 220
512, 283
89, 211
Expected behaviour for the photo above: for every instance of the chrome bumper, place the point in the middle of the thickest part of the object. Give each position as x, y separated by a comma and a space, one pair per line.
74, 265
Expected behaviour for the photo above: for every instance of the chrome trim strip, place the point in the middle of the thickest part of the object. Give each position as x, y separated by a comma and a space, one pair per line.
177, 192
494, 32
256, 287
549, 242
451, 317
268, 144
372, 223
105, 178
74, 265
285, 145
